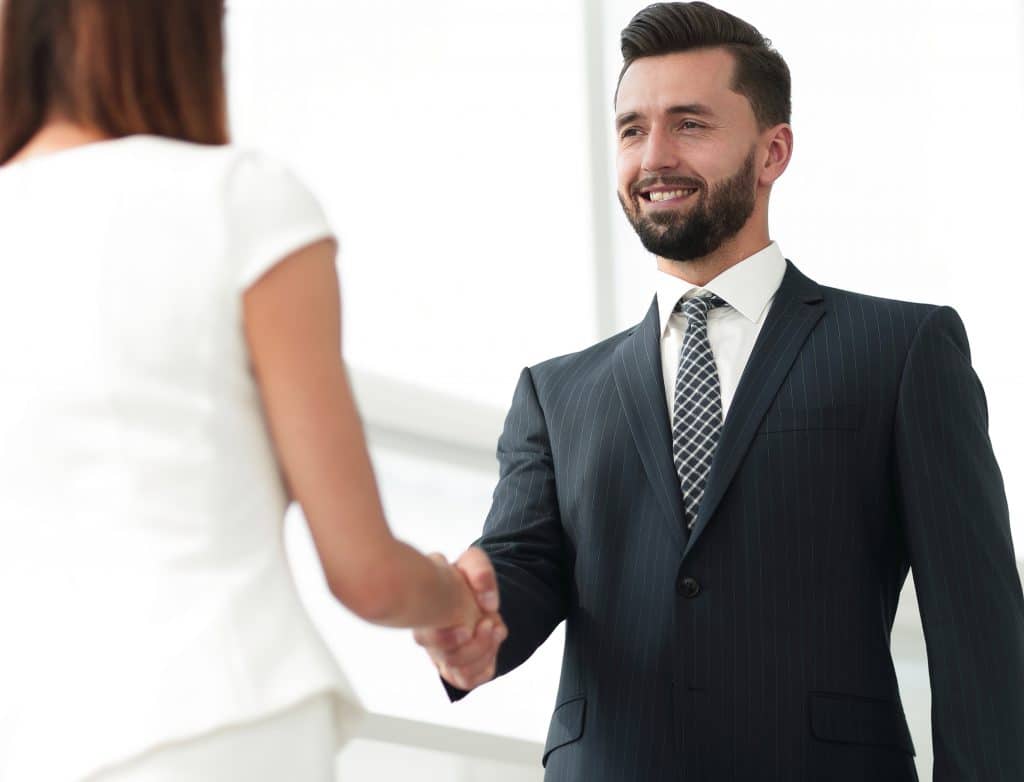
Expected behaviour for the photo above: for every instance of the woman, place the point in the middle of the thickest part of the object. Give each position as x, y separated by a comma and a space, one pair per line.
170, 376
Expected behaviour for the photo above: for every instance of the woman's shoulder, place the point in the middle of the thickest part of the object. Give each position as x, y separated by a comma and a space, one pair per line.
168, 158
224, 162
245, 177
244, 198
252, 187
141, 162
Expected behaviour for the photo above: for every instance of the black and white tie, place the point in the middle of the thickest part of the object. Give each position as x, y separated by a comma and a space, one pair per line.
697, 411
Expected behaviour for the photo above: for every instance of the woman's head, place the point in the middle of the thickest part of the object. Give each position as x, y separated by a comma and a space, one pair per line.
117, 66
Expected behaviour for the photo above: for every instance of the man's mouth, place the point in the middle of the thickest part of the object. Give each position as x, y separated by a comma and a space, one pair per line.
662, 196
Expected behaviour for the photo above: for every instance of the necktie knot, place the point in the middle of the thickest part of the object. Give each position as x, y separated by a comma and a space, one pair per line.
697, 308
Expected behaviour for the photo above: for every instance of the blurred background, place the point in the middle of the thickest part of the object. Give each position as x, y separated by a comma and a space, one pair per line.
464, 150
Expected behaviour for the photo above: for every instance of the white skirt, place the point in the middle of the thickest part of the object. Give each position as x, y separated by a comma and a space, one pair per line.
298, 744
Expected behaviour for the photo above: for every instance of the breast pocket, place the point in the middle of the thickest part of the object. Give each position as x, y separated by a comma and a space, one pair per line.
835, 417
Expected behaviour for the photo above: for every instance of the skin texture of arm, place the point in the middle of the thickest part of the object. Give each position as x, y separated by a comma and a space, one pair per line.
293, 330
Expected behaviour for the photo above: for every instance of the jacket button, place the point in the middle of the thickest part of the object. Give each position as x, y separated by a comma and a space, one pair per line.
688, 587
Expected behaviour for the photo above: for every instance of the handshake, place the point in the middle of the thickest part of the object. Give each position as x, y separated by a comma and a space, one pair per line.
465, 654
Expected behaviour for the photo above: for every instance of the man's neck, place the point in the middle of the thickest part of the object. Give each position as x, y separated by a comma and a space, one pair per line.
700, 271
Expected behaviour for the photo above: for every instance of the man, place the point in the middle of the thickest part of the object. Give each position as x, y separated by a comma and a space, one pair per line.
723, 502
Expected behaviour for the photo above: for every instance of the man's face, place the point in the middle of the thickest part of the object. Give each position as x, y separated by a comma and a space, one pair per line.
687, 177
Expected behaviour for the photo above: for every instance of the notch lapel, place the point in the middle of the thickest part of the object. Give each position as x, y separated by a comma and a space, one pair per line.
797, 307
638, 377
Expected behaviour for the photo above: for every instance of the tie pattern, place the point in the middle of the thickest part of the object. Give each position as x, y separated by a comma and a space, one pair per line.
697, 409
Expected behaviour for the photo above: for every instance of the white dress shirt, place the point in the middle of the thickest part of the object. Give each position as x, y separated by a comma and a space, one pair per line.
749, 288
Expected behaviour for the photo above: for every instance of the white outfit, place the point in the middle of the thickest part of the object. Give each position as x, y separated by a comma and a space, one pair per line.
145, 596
749, 288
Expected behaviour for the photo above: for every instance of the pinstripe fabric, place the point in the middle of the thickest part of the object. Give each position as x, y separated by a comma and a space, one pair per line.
755, 648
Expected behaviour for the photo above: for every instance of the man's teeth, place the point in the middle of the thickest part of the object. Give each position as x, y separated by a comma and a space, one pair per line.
668, 195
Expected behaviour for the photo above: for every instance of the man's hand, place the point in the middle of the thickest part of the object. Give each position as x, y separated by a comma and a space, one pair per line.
463, 659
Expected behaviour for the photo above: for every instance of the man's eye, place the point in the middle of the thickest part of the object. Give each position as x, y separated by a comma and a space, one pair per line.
689, 124
627, 132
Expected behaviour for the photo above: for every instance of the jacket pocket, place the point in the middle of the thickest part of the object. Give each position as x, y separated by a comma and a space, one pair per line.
566, 725
784, 419
855, 719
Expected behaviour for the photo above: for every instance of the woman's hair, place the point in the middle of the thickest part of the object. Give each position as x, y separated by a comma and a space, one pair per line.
118, 66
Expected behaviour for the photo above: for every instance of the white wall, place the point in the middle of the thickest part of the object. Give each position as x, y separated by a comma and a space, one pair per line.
446, 139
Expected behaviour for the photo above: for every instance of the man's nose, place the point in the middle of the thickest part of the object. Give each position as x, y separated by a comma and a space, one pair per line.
659, 152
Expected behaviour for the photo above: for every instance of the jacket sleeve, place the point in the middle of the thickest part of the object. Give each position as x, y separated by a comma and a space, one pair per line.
958, 531
523, 533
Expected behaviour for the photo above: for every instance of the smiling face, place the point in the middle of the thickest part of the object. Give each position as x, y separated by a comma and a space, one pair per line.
693, 167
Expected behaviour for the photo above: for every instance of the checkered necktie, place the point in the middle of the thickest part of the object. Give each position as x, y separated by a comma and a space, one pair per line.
697, 411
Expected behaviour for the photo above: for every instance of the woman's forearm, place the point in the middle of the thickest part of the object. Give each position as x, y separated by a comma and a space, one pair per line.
400, 587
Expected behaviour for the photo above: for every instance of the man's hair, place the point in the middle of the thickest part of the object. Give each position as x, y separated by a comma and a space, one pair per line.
119, 66
761, 75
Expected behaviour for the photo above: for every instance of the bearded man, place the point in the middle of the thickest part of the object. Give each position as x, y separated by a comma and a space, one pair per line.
723, 502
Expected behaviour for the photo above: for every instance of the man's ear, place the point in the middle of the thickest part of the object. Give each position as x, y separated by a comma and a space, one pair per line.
778, 151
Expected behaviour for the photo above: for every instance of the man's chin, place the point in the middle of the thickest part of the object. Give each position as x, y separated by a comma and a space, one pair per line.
673, 245
668, 253
661, 224
666, 220
675, 257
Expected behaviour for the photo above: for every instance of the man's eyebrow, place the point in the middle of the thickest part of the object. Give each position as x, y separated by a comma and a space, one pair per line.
700, 109
697, 109
625, 119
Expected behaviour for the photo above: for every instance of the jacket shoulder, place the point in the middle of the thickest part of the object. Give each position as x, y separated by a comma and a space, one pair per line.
867, 302
847, 303
581, 363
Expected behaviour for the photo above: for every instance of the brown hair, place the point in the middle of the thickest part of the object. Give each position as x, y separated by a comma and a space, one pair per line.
118, 66
761, 76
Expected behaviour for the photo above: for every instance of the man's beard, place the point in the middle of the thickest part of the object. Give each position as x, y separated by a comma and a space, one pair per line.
718, 215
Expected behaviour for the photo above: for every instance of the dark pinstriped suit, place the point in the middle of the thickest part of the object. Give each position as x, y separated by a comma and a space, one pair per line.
756, 647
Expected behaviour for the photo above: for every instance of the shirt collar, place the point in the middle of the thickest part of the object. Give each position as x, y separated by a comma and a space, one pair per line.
748, 286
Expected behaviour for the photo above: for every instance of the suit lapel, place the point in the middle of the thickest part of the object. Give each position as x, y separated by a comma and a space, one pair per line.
641, 386
797, 307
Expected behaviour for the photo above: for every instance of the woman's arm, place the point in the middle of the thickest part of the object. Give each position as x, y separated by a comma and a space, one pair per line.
293, 329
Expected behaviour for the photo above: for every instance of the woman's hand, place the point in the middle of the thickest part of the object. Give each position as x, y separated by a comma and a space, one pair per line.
465, 652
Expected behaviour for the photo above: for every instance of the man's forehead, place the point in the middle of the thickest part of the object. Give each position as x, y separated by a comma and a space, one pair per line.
696, 76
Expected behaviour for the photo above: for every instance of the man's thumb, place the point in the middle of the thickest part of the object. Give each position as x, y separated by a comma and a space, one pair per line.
479, 572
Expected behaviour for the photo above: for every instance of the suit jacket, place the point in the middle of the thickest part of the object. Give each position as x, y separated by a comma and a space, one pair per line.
755, 647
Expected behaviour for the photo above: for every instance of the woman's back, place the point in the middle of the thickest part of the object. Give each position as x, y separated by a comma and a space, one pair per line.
140, 499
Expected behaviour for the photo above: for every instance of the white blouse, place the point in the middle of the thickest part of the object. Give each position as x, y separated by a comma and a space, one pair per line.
145, 596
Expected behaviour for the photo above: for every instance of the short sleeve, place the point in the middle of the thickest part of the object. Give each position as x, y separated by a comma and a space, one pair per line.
271, 214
